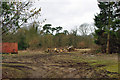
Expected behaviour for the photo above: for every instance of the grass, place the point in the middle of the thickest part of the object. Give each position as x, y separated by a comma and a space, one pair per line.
112, 68
107, 61
109, 65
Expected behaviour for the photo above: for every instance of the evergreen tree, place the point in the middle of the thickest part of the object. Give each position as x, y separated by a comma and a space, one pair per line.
106, 22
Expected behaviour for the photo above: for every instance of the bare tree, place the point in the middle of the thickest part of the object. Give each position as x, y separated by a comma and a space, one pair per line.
92, 28
84, 29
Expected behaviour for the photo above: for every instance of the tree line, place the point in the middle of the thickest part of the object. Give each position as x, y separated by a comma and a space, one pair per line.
48, 37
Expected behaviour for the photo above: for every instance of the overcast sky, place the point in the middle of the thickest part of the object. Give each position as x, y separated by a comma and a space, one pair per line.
67, 13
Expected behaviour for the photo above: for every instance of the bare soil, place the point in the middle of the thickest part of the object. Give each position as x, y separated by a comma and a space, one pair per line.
54, 65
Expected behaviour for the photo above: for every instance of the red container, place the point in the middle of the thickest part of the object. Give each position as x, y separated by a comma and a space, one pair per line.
8, 47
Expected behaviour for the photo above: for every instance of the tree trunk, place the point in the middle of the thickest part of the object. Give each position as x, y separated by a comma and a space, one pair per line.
108, 44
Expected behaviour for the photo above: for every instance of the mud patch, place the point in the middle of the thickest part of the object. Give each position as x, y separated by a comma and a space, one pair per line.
99, 65
78, 64
17, 62
71, 64
16, 66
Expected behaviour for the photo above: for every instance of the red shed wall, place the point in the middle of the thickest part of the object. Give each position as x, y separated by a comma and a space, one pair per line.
9, 47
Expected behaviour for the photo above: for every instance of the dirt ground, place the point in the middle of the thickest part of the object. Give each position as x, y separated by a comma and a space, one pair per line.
59, 65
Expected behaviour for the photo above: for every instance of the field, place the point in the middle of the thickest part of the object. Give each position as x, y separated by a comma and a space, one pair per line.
77, 64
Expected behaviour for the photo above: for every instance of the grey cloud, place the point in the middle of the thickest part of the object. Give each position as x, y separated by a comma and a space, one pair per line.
68, 13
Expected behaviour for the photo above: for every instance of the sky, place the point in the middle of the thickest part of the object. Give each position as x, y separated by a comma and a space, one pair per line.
67, 13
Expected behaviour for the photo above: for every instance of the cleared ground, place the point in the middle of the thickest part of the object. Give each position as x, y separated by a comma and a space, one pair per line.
78, 64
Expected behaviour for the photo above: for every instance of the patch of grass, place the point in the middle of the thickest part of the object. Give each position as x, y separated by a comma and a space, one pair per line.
102, 62
112, 68
108, 63
113, 75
